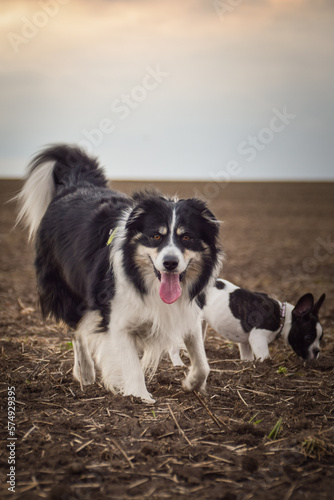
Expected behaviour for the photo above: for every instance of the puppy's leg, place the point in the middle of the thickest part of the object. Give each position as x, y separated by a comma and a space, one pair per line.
83, 369
259, 344
199, 369
117, 357
246, 353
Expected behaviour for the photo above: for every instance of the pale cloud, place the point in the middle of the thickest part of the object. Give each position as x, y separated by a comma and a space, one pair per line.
226, 75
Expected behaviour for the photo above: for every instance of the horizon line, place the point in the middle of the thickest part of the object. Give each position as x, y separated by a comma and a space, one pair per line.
247, 180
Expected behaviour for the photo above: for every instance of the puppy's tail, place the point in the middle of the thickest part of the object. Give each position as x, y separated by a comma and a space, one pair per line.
54, 169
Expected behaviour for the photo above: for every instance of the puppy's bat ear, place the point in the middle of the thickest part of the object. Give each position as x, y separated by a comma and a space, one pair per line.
318, 304
304, 306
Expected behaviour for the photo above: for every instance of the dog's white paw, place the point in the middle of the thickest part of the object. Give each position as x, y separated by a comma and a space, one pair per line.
178, 362
195, 382
150, 400
144, 395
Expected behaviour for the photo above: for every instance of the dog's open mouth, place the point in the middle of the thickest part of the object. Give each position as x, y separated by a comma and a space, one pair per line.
170, 288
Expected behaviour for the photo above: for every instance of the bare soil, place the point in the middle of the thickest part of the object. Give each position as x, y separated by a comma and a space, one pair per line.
81, 445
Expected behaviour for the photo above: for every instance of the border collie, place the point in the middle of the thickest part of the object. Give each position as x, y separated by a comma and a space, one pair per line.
128, 274
253, 320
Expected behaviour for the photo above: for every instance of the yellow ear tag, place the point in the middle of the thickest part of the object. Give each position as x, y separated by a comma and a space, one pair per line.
112, 236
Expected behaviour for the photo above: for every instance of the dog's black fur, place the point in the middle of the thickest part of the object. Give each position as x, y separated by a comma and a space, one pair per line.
119, 269
72, 259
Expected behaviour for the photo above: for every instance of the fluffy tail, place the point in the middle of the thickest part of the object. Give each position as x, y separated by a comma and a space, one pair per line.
55, 168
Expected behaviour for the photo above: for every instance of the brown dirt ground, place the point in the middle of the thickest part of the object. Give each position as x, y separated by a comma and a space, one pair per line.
92, 444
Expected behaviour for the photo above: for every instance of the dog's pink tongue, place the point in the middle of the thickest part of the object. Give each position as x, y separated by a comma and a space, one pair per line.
170, 289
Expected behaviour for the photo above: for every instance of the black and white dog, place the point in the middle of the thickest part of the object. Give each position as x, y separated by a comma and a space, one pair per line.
253, 320
129, 274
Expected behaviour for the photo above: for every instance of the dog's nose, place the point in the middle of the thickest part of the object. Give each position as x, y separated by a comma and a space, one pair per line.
316, 352
170, 262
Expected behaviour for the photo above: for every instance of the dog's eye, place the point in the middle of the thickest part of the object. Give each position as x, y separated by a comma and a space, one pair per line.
157, 237
185, 237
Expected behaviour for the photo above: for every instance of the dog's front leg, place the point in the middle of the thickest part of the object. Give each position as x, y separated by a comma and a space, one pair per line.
133, 375
118, 359
259, 344
199, 369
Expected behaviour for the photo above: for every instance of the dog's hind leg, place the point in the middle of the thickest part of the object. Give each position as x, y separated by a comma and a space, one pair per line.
199, 369
83, 369
245, 350
175, 357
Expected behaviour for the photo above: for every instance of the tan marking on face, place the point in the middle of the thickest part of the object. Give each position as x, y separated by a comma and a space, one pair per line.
142, 256
193, 270
194, 264
191, 255
180, 230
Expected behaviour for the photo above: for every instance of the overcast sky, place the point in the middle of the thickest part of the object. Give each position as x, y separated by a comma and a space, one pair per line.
171, 89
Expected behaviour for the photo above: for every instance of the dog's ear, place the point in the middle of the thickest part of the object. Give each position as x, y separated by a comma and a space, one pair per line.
206, 222
144, 206
318, 304
202, 208
304, 306
134, 219
199, 208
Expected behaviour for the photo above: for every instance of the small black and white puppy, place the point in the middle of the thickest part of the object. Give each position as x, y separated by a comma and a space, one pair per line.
253, 320
128, 274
